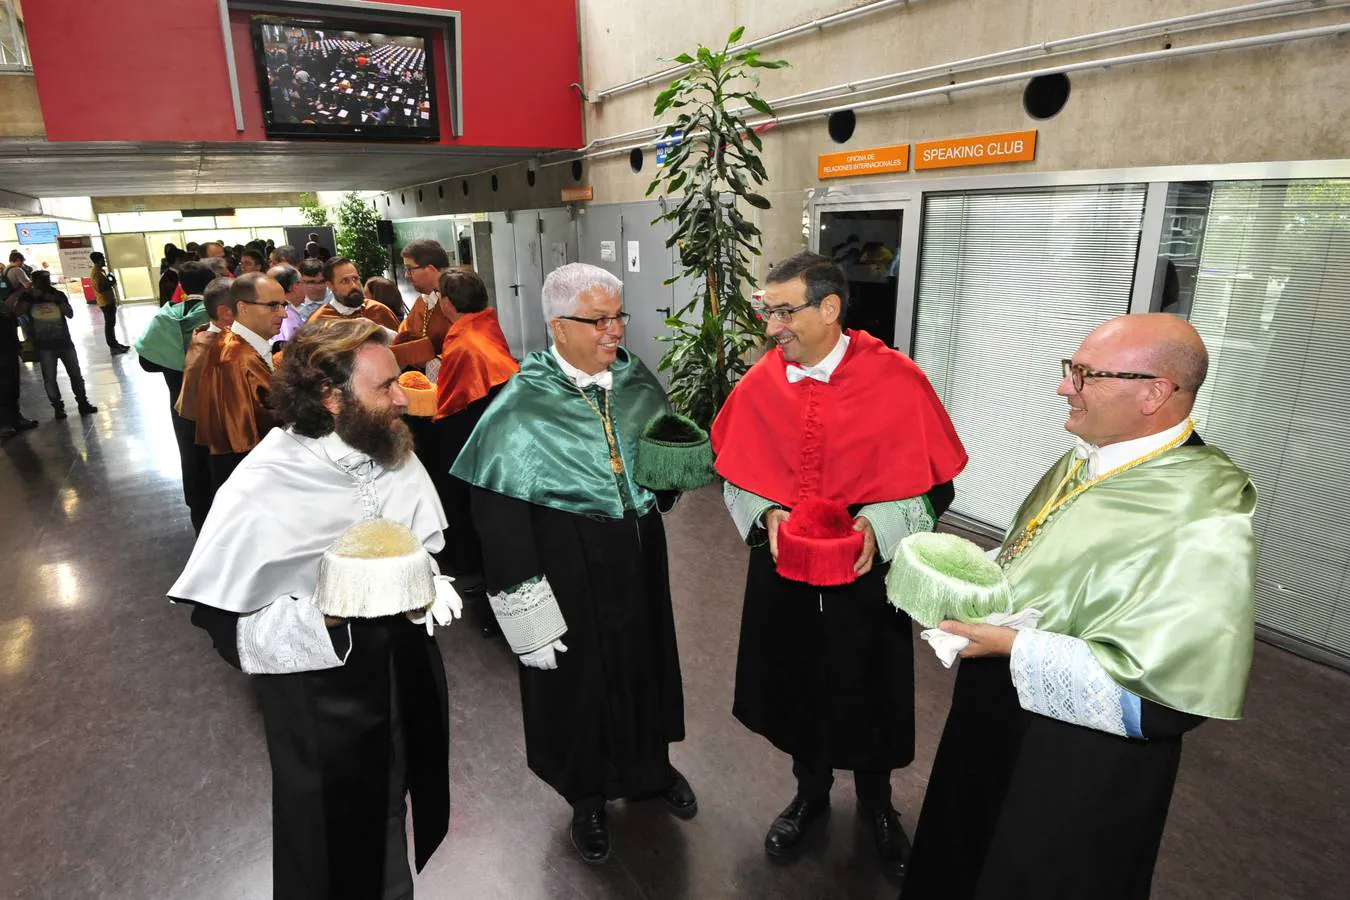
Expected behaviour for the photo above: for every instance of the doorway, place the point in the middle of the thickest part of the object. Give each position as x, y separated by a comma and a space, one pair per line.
865, 243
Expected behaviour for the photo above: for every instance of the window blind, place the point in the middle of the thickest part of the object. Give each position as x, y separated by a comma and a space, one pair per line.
1009, 284
1272, 302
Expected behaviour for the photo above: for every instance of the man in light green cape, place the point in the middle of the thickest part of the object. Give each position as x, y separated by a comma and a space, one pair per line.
1056, 766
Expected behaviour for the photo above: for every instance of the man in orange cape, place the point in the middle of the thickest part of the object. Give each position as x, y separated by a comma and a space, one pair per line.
349, 297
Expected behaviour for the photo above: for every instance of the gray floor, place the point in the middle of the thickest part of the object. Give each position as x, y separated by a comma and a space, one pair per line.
132, 763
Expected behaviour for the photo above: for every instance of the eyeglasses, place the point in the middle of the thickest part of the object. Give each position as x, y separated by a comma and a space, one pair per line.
273, 305
601, 323
1077, 373
781, 314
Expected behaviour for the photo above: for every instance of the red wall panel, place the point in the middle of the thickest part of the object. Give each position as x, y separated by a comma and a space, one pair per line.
146, 70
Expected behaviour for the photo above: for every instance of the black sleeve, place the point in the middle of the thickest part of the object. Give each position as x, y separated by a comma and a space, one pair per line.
505, 526
223, 627
941, 497
148, 366
666, 500
1157, 721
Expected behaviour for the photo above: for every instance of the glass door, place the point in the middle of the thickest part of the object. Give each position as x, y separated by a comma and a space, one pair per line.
866, 244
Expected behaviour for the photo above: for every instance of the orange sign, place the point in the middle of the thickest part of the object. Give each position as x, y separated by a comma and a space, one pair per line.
863, 162
572, 195
982, 150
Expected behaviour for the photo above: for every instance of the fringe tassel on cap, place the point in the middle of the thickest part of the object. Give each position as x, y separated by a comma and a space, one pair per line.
374, 569
818, 546
941, 576
674, 454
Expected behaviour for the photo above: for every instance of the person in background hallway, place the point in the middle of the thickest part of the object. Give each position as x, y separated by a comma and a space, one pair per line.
168, 273
16, 274
827, 674
289, 278
47, 309
105, 294
1055, 769
476, 363
12, 419
202, 352
423, 262
349, 296
384, 291
233, 410
574, 547
285, 254
355, 712
162, 348
314, 286
251, 261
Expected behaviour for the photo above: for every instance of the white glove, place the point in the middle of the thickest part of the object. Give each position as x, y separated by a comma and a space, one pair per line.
446, 608
544, 657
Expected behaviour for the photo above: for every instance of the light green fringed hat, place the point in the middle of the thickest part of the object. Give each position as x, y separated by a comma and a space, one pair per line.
674, 454
942, 576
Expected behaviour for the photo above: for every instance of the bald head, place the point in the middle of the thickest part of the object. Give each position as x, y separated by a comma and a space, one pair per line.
1166, 363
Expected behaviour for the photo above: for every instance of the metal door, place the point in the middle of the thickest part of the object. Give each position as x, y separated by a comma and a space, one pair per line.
529, 280
599, 232
646, 296
504, 282
483, 262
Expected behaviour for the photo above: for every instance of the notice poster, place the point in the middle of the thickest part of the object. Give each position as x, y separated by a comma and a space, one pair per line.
74, 254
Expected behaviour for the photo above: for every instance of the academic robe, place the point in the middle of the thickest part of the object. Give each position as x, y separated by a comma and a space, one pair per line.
419, 324
233, 413
1158, 565
202, 351
827, 674
373, 310
345, 742
547, 503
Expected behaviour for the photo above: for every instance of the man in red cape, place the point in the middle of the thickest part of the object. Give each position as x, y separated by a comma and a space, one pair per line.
827, 674
476, 363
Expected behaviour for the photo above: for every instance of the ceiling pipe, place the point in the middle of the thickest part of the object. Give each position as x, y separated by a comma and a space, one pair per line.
1235, 15
786, 34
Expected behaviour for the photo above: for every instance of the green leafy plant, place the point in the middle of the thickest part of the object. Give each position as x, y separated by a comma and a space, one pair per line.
311, 211
713, 168
358, 236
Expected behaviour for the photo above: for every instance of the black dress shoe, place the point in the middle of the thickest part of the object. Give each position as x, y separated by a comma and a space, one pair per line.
787, 831
590, 836
25, 424
891, 841
58, 412
88, 409
8, 431
680, 797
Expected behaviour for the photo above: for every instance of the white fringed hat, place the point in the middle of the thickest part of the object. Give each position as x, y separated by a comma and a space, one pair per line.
942, 576
377, 568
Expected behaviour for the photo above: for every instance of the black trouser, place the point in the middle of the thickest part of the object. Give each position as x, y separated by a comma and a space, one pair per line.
110, 326
872, 788
71, 360
9, 388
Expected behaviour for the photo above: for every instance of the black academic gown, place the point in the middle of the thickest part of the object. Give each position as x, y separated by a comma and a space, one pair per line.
1020, 805
827, 674
600, 724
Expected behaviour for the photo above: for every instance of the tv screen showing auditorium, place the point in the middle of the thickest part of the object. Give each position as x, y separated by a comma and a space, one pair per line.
322, 79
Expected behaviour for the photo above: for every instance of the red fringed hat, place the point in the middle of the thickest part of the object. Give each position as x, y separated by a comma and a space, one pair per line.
817, 544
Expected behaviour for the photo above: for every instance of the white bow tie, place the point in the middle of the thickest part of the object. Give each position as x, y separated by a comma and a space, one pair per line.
603, 380
1088, 453
797, 373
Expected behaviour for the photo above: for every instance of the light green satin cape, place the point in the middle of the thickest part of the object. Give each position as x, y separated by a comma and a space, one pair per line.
541, 442
1154, 568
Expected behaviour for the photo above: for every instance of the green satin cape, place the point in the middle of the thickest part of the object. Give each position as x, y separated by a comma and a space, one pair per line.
541, 442
165, 340
1154, 568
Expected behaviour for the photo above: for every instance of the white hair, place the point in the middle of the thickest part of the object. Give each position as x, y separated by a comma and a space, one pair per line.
566, 283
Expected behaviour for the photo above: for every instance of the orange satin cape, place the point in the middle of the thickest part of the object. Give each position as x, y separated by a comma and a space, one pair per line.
475, 358
232, 411
373, 310
200, 348
411, 327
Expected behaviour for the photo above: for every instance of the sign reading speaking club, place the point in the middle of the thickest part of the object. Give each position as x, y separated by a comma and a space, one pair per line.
982, 150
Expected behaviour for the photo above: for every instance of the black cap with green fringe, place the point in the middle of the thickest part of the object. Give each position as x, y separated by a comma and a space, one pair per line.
674, 454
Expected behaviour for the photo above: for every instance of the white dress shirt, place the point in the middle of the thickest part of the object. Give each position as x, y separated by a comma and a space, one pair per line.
823, 370
263, 347
1101, 460
581, 379
344, 308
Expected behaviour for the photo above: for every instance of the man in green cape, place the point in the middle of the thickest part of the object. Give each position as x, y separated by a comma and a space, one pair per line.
1055, 770
574, 548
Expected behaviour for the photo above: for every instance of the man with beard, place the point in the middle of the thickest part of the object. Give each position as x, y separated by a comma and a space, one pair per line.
349, 296
573, 546
233, 411
355, 711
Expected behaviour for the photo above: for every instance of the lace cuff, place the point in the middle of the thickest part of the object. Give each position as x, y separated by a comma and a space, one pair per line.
1056, 675
746, 508
285, 637
529, 615
896, 520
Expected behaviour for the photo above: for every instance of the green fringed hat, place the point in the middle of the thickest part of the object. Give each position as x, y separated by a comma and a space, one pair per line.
674, 454
942, 576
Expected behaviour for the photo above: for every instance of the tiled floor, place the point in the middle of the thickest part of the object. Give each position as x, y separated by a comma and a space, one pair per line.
132, 762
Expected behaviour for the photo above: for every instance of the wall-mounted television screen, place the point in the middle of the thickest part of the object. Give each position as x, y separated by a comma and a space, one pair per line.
320, 78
